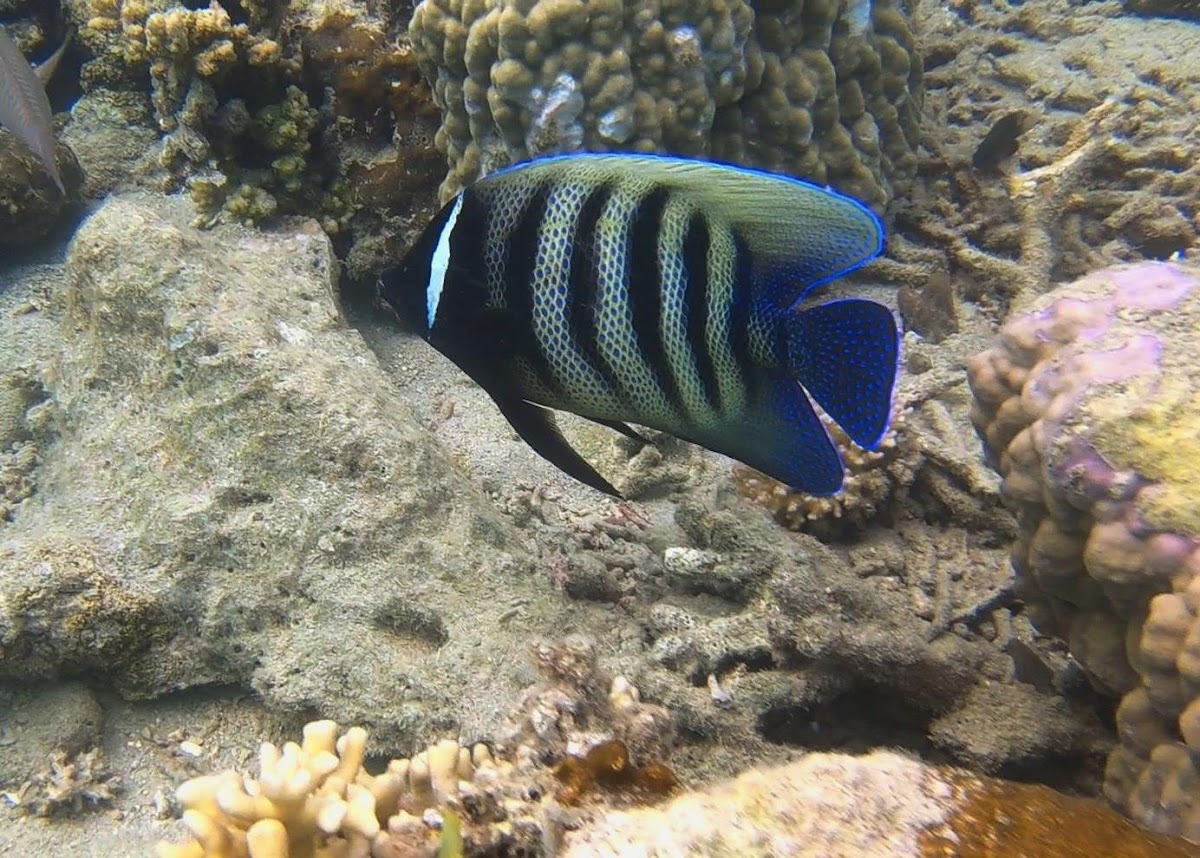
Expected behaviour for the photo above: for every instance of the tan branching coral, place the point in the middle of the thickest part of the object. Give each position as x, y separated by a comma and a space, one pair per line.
310, 800
315, 799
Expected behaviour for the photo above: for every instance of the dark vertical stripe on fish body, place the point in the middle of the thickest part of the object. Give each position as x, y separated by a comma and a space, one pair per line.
519, 264
466, 262
584, 278
644, 276
696, 244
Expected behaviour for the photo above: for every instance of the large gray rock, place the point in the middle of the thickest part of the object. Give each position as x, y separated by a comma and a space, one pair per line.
231, 493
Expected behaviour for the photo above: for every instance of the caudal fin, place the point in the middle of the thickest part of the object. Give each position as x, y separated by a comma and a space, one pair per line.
845, 354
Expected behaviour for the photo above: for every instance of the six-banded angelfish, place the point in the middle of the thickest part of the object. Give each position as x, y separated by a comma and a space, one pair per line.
660, 291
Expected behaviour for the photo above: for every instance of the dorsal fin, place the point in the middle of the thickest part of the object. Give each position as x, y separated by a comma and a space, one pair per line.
799, 235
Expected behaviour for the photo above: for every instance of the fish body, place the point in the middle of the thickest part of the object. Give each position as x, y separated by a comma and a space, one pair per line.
659, 291
24, 107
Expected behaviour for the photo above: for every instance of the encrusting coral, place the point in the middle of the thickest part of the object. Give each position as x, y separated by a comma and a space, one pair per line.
1089, 406
881, 805
825, 89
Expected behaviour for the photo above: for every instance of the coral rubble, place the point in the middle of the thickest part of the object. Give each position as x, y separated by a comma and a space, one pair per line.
69, 785
1089, 406
1105, 171
827, 90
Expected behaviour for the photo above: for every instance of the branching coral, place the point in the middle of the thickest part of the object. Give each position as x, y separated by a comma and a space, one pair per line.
309, 799
569, 739
1108, 142
925, 447
875, 481
1040, 197
69, 785
1089, 407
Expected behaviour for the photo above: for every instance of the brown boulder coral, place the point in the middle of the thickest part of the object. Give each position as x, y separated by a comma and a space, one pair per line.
827, 89
1089, 405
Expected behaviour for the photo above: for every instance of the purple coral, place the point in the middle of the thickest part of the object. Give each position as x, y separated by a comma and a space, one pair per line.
1067, 402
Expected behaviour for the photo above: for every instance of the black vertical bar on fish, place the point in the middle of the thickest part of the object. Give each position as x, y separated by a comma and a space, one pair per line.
520, 261
582, 285
696, 244
467, 272
644, 276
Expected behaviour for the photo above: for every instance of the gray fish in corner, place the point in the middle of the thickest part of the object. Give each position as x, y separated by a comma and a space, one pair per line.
662, 291
24, 107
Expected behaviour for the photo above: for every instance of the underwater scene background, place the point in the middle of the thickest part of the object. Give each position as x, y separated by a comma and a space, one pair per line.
277, 579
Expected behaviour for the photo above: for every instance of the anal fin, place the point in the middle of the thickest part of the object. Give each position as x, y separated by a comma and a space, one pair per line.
780, 434
623, 428
537, 427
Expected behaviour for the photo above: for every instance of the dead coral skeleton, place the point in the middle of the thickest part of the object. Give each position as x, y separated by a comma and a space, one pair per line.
1041, 197
68, 786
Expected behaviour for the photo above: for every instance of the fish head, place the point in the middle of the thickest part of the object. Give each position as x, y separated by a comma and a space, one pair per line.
401, 289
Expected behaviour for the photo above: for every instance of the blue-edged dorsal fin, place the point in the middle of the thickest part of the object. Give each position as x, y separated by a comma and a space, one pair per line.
799, 235
780, 434
846, 355
537, 427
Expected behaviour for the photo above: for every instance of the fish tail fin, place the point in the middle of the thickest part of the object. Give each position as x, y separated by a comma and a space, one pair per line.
845, 353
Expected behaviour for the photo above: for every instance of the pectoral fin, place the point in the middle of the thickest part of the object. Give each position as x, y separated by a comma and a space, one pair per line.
537, 427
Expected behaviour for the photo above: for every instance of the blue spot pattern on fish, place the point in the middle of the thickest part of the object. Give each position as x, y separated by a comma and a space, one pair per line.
664, 292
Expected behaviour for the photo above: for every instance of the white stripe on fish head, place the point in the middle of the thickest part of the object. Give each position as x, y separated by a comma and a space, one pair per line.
439, 266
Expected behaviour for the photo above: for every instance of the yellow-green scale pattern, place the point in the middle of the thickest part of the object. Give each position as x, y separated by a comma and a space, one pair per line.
552, 300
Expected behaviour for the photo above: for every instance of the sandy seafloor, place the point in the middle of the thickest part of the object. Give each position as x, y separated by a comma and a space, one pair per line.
141, 741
